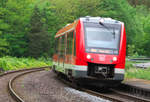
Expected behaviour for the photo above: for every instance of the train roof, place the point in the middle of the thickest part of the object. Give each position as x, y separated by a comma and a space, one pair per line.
98, 19
70, 27
67, 28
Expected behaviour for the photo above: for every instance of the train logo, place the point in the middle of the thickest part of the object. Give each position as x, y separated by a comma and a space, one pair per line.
102, 57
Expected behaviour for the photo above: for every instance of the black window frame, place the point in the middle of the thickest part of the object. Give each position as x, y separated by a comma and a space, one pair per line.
62, 46
70, 35
93, 24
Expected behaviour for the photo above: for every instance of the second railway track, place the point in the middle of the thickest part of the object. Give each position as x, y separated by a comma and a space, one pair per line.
112, 94
116, 96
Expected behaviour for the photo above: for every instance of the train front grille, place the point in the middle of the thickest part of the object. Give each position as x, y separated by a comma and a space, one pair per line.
100, 70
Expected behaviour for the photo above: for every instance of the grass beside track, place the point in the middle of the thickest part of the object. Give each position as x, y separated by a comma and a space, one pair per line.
13, 63
132, 72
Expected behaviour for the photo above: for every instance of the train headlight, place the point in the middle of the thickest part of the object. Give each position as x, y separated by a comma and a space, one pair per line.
114, 58
88, 56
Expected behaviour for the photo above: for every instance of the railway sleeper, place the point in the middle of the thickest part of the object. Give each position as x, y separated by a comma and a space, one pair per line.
139, 92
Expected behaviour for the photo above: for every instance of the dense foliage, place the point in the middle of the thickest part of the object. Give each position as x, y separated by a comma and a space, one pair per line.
138, 73
27, 27
13, 63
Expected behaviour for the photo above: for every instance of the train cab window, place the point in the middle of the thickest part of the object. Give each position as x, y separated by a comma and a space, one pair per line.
103, 37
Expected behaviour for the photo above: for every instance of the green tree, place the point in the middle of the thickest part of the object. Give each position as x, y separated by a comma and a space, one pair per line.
141, 40
3, 46
38, 37
51, 24
21, 30
139, 2
121, 10
15, 16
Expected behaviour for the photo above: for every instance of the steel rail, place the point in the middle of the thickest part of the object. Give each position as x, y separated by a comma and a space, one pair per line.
101, 95
107, 96
21, 70
12, 91
130, 96
89, 91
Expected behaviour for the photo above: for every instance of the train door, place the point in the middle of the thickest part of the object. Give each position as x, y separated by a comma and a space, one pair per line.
70, 46
73, 47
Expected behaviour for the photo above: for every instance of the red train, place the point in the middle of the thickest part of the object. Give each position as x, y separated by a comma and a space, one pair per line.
91, 50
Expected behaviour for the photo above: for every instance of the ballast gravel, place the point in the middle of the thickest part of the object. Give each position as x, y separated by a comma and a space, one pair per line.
88, 97
44, 86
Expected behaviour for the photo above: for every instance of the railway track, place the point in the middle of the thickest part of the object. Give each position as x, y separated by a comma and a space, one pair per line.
116, 96
9, 94
112, 94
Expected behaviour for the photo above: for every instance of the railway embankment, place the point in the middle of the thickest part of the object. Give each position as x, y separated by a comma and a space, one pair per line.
137, 68
4, 80
44, 86
136, 87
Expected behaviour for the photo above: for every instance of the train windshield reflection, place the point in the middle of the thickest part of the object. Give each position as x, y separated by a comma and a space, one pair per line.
100, 37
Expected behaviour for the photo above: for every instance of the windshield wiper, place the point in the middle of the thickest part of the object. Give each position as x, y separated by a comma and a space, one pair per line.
108, 29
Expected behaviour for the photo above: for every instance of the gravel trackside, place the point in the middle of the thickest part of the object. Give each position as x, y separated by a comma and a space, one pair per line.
84, 96
44, 86
4, 94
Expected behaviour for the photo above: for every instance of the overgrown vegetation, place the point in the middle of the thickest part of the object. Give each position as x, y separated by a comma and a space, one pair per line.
13, 63
27, 27
132, 72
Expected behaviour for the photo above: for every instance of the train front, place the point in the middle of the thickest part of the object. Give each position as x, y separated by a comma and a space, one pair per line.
101, 50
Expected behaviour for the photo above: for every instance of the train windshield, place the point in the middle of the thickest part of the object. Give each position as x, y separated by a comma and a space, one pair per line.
102, 37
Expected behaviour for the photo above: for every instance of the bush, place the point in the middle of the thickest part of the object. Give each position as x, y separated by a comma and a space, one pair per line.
128, 65
13, 63
132, 72
138, 73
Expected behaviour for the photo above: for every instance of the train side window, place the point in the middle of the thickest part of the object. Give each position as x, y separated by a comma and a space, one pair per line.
69, 42
56, 45
62, 51
65, 44
59, 46
67, 49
